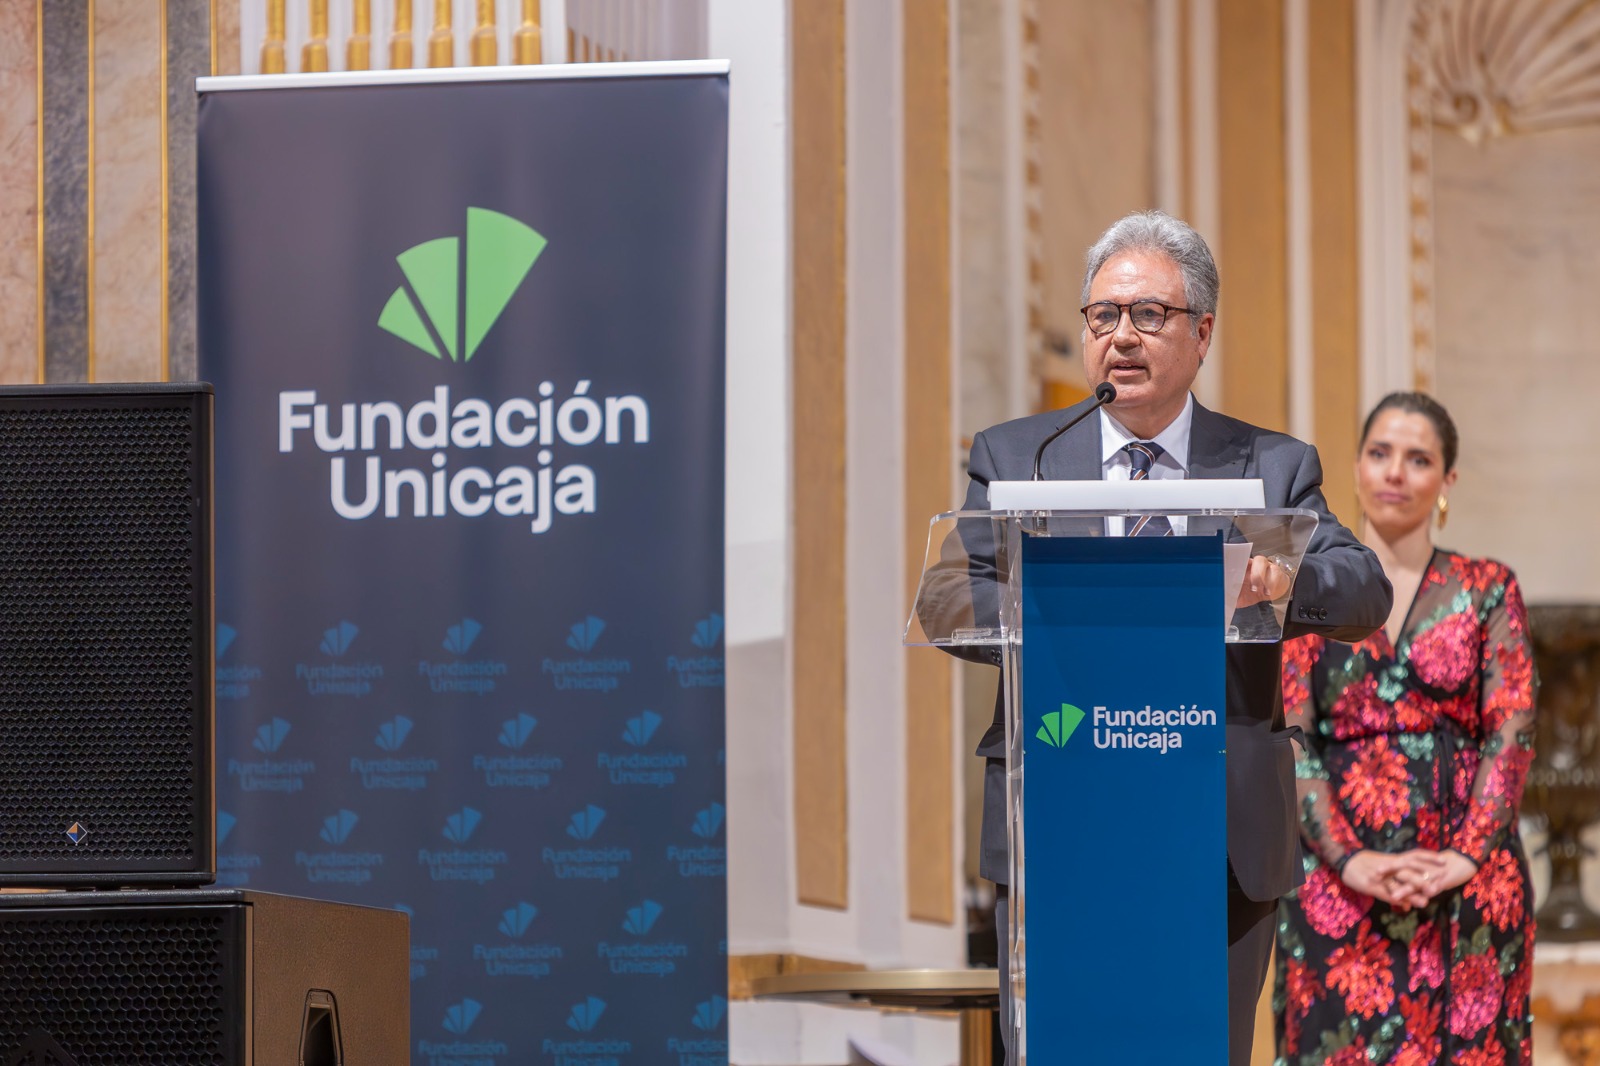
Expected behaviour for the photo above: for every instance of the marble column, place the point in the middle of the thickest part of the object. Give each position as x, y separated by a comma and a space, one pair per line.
65, 92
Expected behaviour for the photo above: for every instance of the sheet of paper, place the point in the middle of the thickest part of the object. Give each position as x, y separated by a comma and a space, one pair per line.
1235, 561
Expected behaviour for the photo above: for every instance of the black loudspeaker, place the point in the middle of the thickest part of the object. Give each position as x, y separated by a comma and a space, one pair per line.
106, 635
201, 976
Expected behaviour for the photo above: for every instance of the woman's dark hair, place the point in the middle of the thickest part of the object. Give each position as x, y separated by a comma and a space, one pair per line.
1420, 403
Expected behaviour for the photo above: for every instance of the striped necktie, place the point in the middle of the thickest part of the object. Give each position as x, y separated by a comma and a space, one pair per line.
1143, 455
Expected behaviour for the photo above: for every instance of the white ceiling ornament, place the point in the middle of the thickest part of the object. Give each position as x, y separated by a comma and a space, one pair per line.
1503, 67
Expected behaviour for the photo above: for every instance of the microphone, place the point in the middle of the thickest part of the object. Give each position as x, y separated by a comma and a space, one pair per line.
1104, 393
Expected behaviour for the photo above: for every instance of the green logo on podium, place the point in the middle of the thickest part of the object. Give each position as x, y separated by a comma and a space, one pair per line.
1059, 725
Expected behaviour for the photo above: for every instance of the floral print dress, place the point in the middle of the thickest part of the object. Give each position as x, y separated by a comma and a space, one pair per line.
1425, 744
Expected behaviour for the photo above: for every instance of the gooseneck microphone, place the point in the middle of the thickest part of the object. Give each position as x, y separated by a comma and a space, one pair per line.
1104, 393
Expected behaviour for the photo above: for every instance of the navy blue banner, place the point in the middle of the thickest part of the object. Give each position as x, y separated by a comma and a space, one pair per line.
1123, 807
467, 343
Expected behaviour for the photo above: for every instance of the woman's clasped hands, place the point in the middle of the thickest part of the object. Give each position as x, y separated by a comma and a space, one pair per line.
1407, 879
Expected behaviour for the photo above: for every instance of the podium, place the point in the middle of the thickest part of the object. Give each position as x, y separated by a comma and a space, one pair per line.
1113, 657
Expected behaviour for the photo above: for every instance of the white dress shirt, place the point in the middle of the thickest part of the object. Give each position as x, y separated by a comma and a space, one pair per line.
1116, 465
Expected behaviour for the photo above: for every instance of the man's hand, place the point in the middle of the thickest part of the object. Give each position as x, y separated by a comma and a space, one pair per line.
1264, 580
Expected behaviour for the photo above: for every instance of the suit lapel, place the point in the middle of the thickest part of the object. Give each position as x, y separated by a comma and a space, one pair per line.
1218, 448
1075, 455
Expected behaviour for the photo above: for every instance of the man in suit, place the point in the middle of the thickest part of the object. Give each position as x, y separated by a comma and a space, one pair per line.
1150, 296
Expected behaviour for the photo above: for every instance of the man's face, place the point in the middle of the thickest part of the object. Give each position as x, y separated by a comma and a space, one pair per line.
1152, 371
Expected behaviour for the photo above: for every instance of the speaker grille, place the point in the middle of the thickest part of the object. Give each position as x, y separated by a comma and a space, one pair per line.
126, 986
104, 718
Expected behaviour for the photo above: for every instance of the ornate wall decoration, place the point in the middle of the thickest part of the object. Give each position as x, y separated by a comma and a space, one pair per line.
1032, 188
1419, 170
1484, 69
1502, 67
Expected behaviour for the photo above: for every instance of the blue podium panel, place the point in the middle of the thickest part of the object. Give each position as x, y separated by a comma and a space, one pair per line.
1124, 839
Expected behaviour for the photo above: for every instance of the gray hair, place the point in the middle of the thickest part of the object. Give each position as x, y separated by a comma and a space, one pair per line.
1157, 231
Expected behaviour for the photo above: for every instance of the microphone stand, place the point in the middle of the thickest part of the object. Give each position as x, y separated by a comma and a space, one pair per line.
1104, 393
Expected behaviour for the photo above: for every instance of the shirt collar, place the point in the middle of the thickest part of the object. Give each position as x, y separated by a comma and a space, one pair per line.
1174, 440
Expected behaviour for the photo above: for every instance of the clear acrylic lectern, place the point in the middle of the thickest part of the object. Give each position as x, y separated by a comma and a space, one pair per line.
1112, 650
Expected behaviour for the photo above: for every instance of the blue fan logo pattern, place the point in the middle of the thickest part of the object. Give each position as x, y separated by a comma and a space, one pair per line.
458, 638
703, 668
707, 632
589, 671
336, 827
641, 729
517, 942
585, 823
708, 823
582, 637
462, 676
338, 674
337, 641
586, 1015
341, 864
514, 733
459, 1019
392, 734
459, 827
270, 737
708, 1015
640, 919
235, 680
515, 922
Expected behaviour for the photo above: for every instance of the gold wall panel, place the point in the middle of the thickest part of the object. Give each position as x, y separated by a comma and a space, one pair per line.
822, 859
1096, 147
1335, 250
1253, 319
930, 752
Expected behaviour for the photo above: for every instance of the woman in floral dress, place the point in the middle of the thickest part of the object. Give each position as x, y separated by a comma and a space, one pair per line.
1411, 941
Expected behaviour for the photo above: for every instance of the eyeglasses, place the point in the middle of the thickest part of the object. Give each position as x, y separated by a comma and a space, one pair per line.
1147, 316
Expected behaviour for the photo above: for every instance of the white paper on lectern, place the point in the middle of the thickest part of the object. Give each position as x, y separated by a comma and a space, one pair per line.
1235, 561
1177, 494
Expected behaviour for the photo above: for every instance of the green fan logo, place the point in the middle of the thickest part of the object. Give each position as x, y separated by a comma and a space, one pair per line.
499, 253
1059, 725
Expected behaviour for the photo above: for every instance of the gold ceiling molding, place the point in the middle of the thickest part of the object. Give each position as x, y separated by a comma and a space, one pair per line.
1505, 67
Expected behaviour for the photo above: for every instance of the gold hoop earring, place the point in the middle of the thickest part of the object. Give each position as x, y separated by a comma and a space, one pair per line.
1444, 511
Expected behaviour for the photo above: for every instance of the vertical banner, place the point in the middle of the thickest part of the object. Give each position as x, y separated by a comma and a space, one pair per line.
1123, 806
467, 344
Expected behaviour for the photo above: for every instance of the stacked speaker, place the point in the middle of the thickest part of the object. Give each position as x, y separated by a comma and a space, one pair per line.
107, 772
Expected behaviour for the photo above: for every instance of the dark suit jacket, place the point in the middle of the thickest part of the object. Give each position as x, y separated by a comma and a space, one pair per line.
1339, 591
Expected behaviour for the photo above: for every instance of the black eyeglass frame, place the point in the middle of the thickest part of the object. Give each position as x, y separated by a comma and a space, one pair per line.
1127, 309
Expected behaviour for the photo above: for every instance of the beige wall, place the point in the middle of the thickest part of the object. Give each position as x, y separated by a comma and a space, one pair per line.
1518, 357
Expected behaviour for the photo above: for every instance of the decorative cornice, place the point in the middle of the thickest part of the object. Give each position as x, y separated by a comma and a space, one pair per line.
1505, 67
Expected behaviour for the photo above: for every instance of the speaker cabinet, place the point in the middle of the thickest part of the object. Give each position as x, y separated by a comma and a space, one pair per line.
201, 976
106, 635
